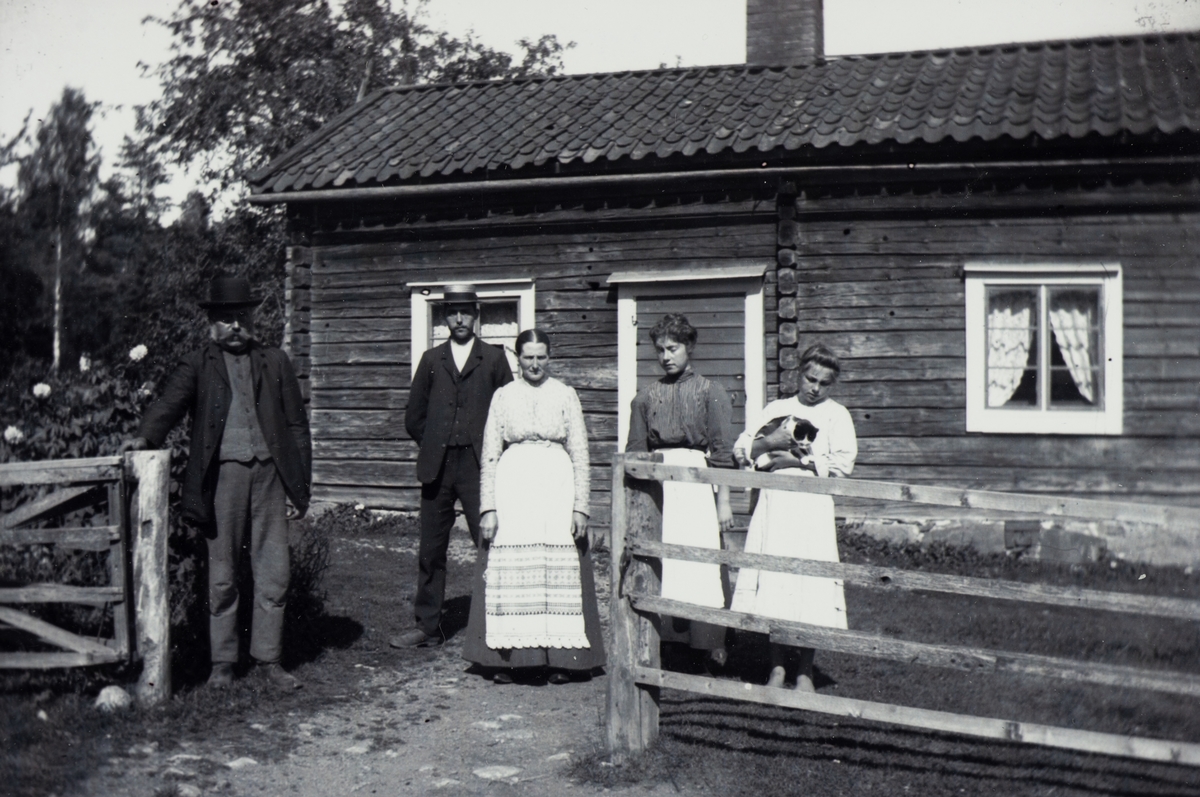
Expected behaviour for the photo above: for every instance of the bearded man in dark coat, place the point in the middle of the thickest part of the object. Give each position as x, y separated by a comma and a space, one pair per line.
447, 408
251, 454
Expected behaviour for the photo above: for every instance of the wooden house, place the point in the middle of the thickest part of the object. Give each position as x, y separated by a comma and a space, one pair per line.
1002, 243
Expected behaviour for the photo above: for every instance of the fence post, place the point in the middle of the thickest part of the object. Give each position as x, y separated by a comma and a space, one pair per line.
632, 707
148, 529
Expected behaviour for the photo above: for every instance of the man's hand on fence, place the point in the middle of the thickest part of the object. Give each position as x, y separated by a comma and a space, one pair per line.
134, 444
295, 514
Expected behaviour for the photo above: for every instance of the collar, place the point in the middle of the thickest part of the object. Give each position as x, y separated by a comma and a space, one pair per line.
687, 375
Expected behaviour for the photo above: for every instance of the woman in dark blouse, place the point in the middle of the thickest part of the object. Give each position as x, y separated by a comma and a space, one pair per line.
687, 418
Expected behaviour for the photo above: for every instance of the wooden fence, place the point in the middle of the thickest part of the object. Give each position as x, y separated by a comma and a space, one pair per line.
636, 675
133, 492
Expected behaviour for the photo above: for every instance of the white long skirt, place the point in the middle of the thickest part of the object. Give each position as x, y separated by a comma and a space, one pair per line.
690, 518
800, 525
532, 592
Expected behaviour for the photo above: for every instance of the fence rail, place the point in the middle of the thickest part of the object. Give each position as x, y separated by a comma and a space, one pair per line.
637, 677
133, 490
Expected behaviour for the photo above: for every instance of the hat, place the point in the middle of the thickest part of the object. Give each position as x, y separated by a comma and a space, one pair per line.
460, 293
228, 291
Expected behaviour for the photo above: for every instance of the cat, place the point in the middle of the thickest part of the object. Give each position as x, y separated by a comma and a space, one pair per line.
802, 434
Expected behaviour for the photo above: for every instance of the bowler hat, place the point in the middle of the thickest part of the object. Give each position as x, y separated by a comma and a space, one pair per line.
460, 293
229, 291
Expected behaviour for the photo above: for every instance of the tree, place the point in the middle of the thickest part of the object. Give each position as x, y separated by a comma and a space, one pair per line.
250, 79
56, 180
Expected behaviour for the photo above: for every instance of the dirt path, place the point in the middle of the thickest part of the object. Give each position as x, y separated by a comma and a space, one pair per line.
387, 722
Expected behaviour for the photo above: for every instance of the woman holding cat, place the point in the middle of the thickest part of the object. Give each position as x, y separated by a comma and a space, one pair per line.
797, 524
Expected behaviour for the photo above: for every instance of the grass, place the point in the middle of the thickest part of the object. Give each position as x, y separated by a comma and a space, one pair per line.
717, 746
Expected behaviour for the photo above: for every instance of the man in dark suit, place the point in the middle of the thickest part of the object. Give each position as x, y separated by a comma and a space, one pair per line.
447, 408
251, 453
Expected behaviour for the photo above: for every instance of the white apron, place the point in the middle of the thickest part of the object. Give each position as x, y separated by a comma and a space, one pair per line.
690, 518
532, 590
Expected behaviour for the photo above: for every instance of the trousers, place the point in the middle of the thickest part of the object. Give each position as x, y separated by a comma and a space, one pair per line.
249, 497
458, 479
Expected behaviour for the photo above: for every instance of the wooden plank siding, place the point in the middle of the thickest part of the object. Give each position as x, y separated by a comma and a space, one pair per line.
358, 336
887, 294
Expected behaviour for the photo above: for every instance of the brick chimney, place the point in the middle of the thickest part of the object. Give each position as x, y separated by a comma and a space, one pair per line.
784, 32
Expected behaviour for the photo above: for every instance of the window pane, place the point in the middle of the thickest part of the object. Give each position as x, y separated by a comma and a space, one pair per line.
1076, 347
498, 326
1012, 347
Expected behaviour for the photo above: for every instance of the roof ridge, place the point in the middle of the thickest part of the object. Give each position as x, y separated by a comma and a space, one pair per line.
974, 48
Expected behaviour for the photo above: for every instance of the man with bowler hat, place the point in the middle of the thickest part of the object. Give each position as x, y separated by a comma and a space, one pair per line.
251, 453
447, 408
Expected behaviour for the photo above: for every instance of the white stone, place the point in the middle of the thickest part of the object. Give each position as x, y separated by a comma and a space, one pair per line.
113, 698
487, 725
179, 758
359, 749
42, 715
446, 783
559, 757
175, 773
498, 772
510, 717
188, 790
242, 763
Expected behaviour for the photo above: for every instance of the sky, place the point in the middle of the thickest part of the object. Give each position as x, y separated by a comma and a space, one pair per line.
97, 45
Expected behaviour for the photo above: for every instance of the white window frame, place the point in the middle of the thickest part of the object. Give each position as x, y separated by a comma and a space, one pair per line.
427, 294
699, 280
981, 418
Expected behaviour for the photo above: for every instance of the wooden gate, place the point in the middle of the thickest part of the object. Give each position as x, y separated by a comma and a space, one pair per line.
636, 676
130, 525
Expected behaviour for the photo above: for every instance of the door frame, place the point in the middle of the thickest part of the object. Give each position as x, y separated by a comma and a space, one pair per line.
744, 277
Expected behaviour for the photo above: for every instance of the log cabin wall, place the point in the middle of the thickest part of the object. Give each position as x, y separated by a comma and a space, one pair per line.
349, 325
879, 277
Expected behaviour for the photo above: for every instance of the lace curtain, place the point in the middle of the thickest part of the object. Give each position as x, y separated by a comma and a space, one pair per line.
1009, 338
1072, 316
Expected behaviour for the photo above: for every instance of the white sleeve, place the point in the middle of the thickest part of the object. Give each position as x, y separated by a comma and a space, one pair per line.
843, 447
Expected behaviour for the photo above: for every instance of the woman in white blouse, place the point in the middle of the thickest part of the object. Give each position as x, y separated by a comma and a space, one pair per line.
534, 598
798, 524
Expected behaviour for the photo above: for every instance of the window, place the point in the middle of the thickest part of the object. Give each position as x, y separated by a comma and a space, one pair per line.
1044, 349
505, 309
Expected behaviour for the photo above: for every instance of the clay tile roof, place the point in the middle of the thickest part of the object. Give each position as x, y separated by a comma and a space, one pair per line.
1132, 85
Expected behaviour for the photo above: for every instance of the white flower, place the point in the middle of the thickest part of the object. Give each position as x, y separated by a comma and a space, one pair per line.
13, 435
359, 507
138, 352
41, 390
85, 363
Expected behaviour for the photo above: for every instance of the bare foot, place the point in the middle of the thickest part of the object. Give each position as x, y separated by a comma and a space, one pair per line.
776, 679
804, 684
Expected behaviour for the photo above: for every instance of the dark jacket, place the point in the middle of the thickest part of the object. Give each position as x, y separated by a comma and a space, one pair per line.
200, 385
438, 390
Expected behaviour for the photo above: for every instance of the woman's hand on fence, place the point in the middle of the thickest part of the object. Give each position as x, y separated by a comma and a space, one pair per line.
489, 524
724, 509
579, 526
134, 444
295, 514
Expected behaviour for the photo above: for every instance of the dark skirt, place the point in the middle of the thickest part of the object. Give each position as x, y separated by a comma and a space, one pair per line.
475, 647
